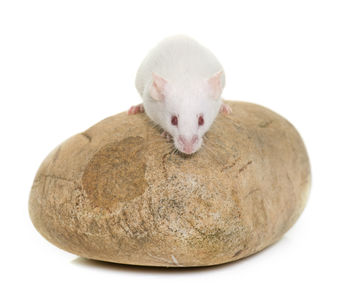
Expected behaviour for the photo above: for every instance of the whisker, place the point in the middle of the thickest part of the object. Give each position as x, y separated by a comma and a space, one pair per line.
207, 148
160, 149
172, 153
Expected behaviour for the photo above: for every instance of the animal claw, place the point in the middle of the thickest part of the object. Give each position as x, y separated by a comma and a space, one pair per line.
136, 109
225, 109
166, 135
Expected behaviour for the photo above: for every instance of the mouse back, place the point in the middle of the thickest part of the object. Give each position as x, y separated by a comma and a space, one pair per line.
178, 59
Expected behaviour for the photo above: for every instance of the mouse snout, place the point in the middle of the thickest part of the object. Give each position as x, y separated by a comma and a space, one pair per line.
190, 141
188, 144
194, 139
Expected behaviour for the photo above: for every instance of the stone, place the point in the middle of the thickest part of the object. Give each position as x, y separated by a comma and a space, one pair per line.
119, 192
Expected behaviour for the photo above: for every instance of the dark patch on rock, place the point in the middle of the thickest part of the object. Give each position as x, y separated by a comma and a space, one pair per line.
116, 173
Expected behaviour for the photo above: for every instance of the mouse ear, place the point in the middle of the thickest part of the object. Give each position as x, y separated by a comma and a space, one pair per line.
157, 88
216, 84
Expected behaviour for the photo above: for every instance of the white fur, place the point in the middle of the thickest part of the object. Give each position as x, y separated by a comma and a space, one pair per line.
186, 67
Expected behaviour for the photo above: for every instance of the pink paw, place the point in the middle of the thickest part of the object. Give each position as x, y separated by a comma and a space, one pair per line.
136, 109
225, 109
166, 135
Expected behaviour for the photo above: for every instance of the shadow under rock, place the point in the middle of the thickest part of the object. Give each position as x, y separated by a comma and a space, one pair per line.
110, 266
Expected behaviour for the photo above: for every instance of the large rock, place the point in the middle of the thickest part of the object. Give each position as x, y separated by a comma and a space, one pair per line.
117, 192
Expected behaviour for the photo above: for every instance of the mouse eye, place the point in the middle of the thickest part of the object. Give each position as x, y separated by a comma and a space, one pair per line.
200, 120
174, 120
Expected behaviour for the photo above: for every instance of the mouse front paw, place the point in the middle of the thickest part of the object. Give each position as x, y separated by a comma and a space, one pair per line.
225, 109
166, 135
136, 109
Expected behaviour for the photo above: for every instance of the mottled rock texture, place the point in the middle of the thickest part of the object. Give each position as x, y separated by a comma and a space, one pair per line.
118, 193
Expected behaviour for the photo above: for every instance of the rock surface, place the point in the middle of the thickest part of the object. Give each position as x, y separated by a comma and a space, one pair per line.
118, 193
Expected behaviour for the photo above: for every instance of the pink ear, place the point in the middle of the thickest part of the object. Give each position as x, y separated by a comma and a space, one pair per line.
215, 83
158, 86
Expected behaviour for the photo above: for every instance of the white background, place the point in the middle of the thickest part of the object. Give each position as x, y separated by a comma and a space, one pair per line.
65, 65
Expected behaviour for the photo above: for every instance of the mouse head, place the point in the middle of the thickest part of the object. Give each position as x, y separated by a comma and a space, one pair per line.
188, 108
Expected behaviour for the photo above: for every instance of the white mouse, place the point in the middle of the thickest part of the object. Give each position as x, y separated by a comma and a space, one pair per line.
180, 83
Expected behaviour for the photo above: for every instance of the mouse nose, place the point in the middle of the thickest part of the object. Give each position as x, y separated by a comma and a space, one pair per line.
188, 143
185, 141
